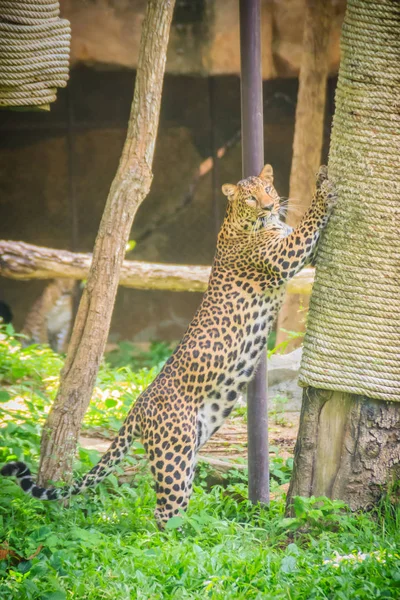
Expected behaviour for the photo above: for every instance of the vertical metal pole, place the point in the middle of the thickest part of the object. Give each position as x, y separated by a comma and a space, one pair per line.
216, 188
253, 161
72, 192
71, 171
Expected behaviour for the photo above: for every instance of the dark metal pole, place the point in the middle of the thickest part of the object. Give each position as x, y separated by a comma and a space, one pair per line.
71, 171
216, 187
77, 292
253, 161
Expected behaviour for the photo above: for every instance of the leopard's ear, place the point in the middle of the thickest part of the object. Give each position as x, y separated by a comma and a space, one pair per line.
267, 174
229, 189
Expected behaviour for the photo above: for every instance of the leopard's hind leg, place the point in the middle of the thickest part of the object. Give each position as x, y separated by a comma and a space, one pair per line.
172, 455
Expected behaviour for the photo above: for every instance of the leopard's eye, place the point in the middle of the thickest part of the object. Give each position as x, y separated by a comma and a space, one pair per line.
252, 199
268, 189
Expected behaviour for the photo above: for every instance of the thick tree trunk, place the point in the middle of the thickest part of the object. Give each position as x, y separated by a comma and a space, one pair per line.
348, 445
307, 144
26, 261
129, 188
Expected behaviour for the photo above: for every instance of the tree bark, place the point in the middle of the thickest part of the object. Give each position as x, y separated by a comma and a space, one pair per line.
348, 445
26, 261
307, 144
130, 186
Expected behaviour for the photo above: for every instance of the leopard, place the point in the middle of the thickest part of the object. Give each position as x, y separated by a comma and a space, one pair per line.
199, 385
50, 317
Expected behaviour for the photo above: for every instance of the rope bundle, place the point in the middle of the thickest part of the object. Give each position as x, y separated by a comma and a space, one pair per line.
34, 52
352, 342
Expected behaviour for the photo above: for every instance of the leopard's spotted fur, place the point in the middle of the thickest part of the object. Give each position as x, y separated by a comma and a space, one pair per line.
199, 385
50, 318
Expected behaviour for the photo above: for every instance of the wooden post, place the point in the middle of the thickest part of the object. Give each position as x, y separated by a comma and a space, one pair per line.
253, 162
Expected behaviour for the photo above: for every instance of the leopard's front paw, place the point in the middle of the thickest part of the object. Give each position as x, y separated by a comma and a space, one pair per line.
325, 192
328, 194
322, 176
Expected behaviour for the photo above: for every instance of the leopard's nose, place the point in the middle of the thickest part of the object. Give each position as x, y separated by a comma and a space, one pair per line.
269, 206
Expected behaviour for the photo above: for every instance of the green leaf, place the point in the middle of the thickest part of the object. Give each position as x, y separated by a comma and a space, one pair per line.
139, 451
52, 542
17, 452
91, 538
10, 329
4, 396
174, 523
130, 246
288, 564
42, 533
288, 523
299, 505
293, 549
24, 566
58, 595
110, 403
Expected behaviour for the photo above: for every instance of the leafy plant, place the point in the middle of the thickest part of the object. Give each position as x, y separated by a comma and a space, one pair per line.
29, 379
277, 412
317, 514
128, 354
106, 545
291, 335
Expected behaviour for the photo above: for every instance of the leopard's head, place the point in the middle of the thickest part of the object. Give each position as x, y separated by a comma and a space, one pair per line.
253, 202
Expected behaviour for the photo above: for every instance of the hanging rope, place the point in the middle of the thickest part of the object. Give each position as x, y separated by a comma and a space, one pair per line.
34, 52
352, 342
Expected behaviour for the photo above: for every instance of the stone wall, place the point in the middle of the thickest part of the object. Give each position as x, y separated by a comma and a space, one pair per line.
54, 164
204, 38
48, 161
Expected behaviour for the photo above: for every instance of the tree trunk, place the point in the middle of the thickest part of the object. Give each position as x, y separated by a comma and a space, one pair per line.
26, 261
307, 144
348, 445
130, 186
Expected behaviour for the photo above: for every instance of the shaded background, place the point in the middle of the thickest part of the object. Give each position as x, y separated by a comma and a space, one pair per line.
56, 168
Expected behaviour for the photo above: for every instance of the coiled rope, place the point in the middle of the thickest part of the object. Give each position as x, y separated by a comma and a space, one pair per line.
34, 52
352, 342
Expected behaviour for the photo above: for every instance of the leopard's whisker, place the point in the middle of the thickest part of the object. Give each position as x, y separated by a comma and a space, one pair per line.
294, 210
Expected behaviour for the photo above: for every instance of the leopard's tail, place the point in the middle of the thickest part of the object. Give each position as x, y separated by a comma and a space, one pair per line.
114, 455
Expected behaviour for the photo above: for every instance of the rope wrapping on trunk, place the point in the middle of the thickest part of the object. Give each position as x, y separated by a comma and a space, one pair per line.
352, 343
34, 52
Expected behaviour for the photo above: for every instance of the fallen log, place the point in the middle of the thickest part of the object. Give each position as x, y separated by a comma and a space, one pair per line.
26, 261
19, 260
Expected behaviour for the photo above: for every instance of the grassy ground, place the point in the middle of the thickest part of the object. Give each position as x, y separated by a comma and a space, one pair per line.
106, 544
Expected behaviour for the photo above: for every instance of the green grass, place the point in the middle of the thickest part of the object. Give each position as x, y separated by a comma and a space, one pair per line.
105, 545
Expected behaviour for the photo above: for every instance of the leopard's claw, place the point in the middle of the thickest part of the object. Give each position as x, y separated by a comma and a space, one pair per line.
328, 192
322, 176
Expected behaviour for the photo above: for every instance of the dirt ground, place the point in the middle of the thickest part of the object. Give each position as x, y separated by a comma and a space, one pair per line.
229, 444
